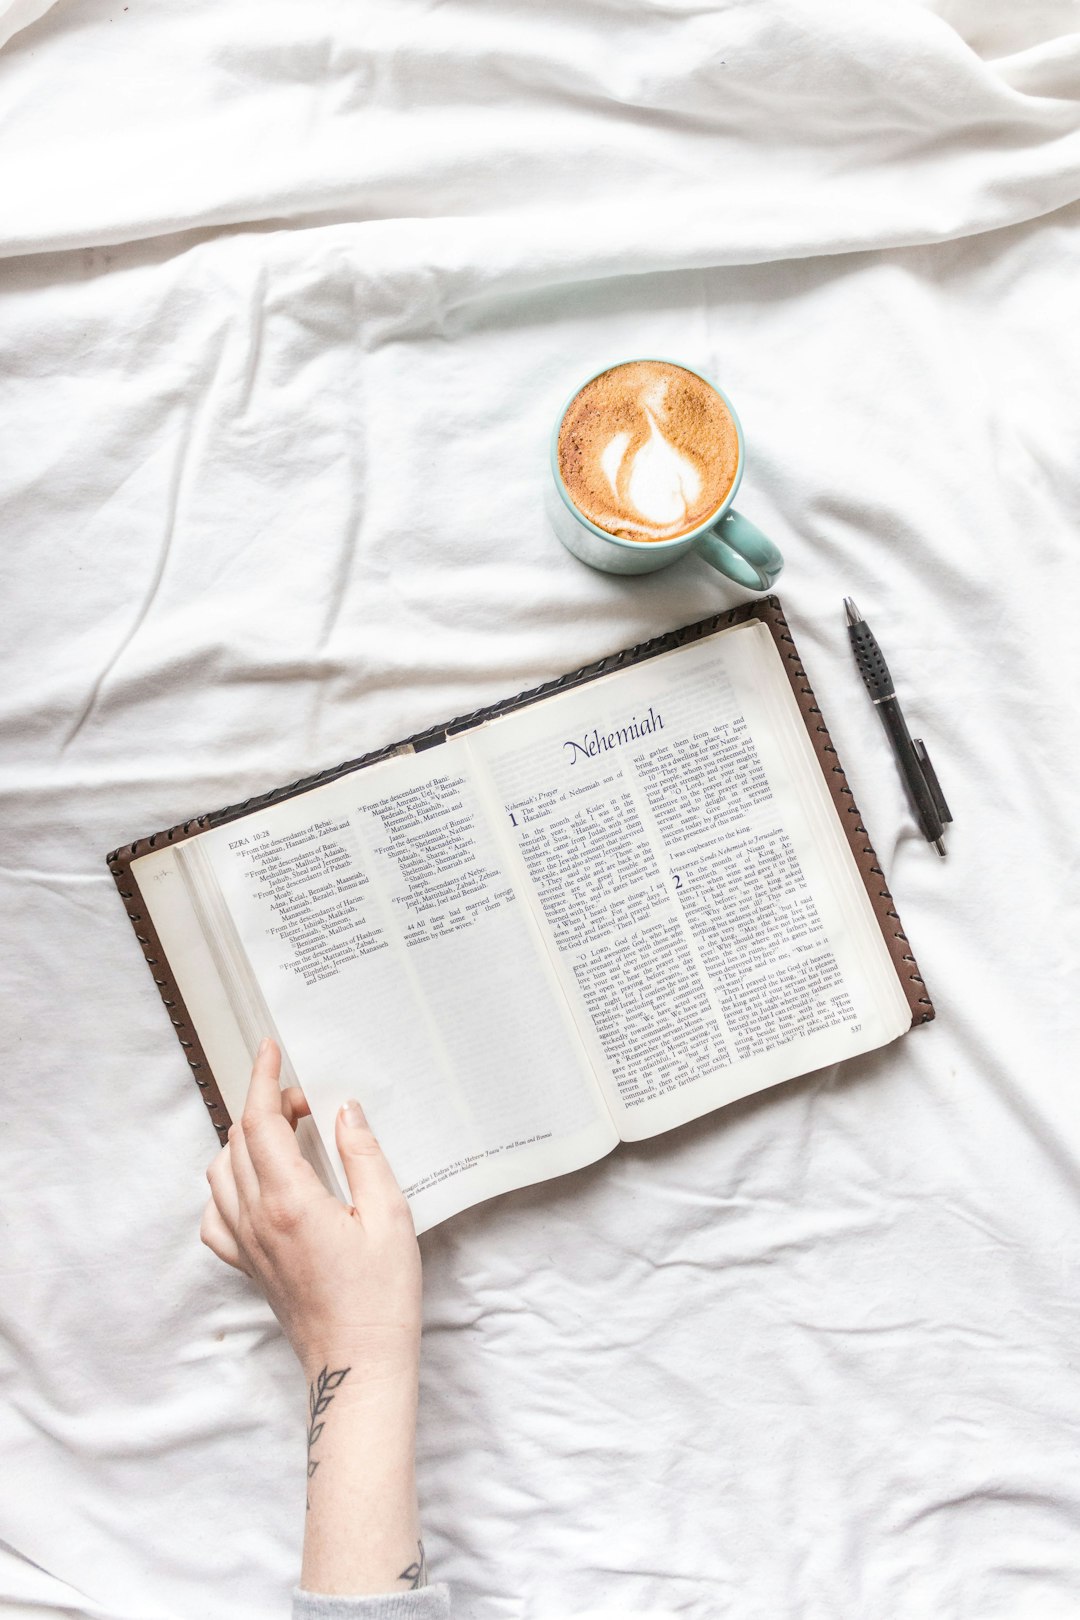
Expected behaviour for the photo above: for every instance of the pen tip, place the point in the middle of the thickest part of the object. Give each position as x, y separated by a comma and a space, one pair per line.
939, 845
853, 614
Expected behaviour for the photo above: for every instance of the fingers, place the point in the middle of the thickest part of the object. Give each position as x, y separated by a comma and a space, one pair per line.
223, 1189
217, 1237
295, 1105
247, 1182
372, 1184
271, 1146
266, 1075
260, 1178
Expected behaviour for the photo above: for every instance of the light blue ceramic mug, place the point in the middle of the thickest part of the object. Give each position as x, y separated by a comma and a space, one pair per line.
728, 541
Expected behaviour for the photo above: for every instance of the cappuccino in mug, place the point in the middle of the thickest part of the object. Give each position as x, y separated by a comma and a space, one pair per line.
646, 460
648, 451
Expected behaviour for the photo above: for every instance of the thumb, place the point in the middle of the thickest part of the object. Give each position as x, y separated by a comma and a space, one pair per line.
372, 1184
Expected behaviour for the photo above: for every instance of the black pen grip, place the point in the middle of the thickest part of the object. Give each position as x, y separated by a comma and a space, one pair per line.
911, 770
872, 666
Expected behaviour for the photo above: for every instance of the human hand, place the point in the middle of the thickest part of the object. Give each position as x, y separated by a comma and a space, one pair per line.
343, 1282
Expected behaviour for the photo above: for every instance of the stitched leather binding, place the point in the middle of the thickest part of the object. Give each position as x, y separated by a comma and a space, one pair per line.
767, 609
907, 969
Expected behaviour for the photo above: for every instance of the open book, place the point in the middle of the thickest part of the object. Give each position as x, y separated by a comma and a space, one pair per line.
587, 915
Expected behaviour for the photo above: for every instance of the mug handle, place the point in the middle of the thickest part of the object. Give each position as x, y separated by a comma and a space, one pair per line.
738, 549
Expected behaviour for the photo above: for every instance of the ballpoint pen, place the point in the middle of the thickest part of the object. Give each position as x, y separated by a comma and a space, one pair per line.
919, 776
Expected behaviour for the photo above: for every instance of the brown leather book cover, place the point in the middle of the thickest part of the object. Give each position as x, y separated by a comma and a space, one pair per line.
767, 609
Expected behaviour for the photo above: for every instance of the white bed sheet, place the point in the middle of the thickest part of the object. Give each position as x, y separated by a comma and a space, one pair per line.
288, 298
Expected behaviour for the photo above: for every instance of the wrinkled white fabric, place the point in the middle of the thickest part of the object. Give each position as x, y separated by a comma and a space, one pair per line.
289, 296
16, 14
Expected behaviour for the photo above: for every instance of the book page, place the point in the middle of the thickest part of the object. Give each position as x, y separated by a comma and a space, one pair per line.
709, 924
229, 1026
399, 965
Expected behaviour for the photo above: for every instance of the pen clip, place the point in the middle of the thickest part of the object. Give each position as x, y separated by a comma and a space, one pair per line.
930, 777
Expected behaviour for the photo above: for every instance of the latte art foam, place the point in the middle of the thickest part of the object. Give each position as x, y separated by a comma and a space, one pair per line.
647, 450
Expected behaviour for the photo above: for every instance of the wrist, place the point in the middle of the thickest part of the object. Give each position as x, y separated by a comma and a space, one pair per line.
376, 1359
362, 1531
364, 1406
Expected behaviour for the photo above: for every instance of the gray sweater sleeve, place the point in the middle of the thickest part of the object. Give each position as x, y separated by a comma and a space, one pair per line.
429, 1603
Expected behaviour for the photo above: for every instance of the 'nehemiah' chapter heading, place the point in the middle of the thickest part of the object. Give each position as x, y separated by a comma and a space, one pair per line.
597, 742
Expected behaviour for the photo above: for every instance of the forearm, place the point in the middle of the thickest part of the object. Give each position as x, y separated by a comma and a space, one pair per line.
362, 1530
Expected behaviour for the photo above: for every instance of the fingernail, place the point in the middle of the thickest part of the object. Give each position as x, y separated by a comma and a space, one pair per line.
352, 1115
264, 1046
